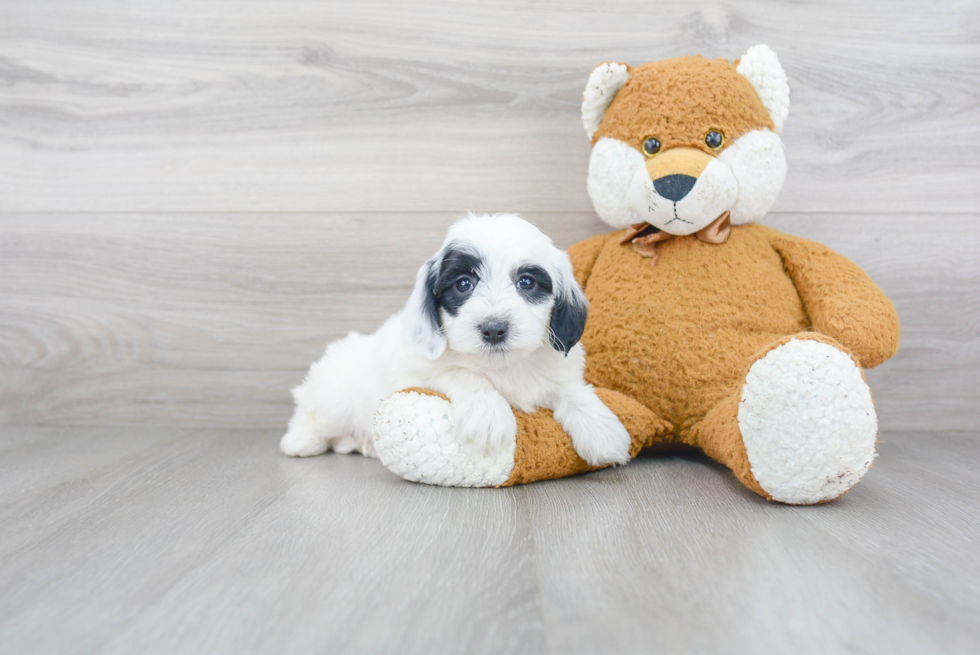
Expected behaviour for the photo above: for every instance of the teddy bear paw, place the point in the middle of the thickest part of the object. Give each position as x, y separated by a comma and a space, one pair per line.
414, 438
808, 422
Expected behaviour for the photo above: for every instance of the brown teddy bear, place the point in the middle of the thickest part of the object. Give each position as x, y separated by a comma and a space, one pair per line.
705, 329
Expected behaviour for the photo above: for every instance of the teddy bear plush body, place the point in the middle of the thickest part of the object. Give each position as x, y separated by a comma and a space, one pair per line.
705, 330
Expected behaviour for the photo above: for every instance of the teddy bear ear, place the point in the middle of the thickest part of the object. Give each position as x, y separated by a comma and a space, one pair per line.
761, 66
604, 82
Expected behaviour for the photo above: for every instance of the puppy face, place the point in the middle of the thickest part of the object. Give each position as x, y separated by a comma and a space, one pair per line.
496, 290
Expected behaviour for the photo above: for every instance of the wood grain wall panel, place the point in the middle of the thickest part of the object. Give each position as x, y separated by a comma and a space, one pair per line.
390, 106
196, 196
209, 319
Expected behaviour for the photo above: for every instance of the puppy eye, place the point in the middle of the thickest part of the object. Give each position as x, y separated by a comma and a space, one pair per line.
651, 146
464, 284
526, 283
714, 139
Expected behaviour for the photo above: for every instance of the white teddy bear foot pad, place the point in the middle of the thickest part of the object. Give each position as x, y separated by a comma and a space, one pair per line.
413, 436
808, 422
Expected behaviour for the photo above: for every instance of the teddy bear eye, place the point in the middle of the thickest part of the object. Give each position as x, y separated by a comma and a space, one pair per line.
714, 139
651, 146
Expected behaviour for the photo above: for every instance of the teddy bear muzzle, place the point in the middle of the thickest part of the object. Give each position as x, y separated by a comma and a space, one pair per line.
682, 190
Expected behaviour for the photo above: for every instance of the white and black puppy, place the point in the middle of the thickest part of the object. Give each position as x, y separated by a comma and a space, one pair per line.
493, 322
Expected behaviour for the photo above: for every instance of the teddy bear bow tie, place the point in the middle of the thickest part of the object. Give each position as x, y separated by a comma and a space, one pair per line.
645, 237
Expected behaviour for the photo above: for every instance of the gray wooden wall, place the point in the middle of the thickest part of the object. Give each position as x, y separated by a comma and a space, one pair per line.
195, 196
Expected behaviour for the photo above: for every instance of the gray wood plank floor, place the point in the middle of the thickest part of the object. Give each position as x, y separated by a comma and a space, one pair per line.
117, 540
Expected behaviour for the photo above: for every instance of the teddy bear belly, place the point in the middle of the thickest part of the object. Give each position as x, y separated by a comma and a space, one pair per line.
679, 336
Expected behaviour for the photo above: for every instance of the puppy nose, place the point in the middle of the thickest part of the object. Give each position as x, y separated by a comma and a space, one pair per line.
674, 187
494, 330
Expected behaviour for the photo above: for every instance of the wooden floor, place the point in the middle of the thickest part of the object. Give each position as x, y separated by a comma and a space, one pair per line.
149, 540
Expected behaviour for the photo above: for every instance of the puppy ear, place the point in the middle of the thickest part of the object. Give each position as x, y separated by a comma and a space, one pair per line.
423, 327
605, 81
570, 310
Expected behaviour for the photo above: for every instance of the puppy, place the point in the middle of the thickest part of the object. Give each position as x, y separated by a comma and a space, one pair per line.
493, 322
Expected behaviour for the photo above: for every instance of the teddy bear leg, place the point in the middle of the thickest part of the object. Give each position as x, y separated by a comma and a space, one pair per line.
413, 436
802, 428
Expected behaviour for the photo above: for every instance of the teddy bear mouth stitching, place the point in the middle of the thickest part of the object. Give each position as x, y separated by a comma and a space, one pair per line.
653, 195
676, 217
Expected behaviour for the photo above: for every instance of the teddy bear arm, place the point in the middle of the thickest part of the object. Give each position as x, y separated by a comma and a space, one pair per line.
545, 452
413, 437
840, 299
584, 255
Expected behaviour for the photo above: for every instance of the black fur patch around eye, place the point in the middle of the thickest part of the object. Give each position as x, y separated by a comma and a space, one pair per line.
542, 284
456, 264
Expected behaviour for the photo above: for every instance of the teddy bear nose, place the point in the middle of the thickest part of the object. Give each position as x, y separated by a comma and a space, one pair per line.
674, 187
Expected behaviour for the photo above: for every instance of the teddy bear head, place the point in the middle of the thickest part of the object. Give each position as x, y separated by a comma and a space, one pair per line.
680, 143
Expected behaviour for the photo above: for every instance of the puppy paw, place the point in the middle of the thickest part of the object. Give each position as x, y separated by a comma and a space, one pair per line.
299, 442
597, 435
485, 420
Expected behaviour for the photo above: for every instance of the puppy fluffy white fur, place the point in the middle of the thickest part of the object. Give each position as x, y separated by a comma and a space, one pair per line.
493, 322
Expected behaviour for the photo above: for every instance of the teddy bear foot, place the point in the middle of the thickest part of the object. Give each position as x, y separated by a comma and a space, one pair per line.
808, 422
413, 437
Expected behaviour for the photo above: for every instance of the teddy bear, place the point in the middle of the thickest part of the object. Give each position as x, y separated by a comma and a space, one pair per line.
706, 330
